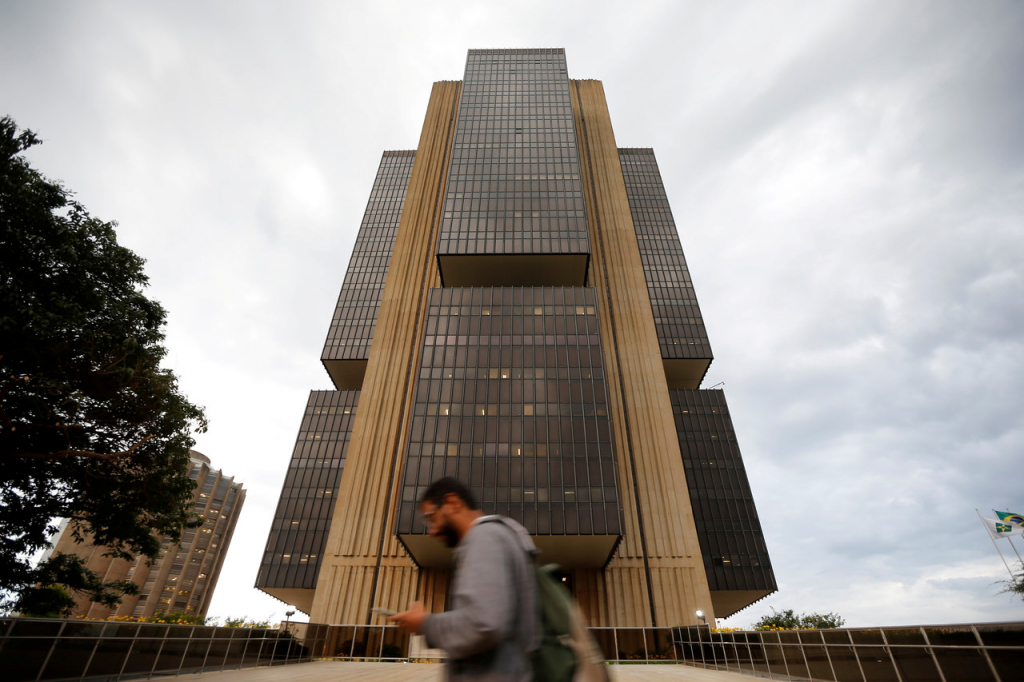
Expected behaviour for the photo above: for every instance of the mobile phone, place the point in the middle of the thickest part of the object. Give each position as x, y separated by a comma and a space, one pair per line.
383, 612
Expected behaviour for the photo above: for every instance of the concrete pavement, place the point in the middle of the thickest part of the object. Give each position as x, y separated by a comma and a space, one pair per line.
332, 671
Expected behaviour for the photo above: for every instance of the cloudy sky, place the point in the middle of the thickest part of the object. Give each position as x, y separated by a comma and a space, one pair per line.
847, 178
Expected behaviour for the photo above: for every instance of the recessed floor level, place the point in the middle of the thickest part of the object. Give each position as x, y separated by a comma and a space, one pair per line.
568, 551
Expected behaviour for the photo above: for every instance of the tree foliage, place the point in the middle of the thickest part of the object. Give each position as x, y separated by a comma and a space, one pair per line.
1015, 586
64, 576
788, 620
91, 428
50, 601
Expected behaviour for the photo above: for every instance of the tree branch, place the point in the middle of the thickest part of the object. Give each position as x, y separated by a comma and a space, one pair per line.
64, 454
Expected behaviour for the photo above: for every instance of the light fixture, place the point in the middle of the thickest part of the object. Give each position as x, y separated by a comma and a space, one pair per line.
700, 614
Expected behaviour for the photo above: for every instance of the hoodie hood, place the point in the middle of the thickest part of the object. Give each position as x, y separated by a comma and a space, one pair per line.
524, 536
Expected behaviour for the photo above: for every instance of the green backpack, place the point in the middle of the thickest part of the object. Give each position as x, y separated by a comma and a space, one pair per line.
555, 660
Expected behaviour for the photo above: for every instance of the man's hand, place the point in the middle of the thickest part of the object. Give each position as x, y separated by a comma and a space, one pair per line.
411, 621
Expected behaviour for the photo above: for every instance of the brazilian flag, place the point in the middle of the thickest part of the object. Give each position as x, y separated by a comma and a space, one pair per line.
1015, 520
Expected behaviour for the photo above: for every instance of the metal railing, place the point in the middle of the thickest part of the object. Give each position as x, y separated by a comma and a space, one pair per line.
991, 652
360, 642
51, 650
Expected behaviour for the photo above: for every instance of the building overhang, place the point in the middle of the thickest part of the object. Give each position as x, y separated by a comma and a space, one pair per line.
728, 602
347, 375
685, 373
299, 598
568, 551
505, 270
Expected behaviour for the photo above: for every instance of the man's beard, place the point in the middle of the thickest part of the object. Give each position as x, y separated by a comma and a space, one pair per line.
448, 535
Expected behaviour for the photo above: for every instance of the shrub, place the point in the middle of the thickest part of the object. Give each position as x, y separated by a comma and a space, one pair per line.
789, 620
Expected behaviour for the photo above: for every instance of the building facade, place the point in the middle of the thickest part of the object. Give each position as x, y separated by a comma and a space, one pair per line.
518, 313
182, 579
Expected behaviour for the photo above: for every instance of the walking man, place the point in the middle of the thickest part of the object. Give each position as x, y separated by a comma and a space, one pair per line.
494, 623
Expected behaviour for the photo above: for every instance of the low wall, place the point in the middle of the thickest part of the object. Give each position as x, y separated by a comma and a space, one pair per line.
52, 650
991, 652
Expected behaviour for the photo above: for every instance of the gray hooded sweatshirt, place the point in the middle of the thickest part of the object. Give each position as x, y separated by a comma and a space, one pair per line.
494, 622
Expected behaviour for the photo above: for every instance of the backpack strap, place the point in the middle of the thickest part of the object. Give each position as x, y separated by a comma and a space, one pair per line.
513, 536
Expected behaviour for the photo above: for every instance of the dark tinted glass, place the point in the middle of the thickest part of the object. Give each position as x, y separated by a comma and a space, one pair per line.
355, 315
303, 517
511, 399
677, 317
731, 540
514, 182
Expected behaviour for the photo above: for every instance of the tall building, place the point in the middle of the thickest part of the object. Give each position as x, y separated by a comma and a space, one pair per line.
183, 577
518, 313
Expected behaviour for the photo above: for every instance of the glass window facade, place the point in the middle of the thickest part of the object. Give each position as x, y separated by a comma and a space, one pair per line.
302, 521
677, 317
731, 541
355, 316
514, 183
511, 399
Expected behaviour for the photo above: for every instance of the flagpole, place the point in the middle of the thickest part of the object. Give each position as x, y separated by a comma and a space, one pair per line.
1013, 545
1015, 550
1012, 577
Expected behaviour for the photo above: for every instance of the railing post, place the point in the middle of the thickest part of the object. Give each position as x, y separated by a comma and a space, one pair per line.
227, 650
291, 640
704, 658
800, 643
159, 651
209, 644
92, 654
131, 648
245, 650
935, 659
856, 656
828, 657
785, 659
984, 651
184, 654
764, 655
46, 661
263, 642
888, 649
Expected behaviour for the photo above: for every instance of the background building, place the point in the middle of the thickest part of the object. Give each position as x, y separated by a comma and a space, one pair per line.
184, 576
518, 313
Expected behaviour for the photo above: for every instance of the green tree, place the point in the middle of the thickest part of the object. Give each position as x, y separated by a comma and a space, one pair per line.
1015, 586
177, 618
91, 428
52, 601
822, 621
789, 620
63, 577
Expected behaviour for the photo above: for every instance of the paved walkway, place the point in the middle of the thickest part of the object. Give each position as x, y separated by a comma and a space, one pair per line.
430, 672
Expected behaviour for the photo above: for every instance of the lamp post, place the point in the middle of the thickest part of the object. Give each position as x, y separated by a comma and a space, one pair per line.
287, 617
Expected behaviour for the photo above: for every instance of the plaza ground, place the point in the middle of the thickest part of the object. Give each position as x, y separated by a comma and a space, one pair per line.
429, 672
